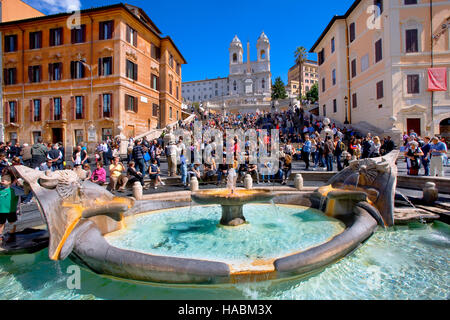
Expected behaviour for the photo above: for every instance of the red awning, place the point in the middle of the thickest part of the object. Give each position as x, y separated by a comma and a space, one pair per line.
437, 79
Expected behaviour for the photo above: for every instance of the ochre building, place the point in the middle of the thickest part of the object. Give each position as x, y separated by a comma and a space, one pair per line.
86, 76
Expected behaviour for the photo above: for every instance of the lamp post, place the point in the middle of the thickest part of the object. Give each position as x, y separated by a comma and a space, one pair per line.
346, 110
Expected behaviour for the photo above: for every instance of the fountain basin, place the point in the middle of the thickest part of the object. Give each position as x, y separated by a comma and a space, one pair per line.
232, 202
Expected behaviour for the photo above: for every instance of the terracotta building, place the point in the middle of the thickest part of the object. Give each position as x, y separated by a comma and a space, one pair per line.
16, 10
309, 78
86, 76
386, 64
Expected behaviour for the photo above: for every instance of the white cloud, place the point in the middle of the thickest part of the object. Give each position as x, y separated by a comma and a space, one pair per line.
55, 6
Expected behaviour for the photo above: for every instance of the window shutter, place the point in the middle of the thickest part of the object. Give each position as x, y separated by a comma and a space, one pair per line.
128, 34
6, 112
39, 36
135, 71
17, 118
30, 73
135, 38
52, 37
111, 27
82, 70
100, 106
100, 67
5, 76
101, 26
52, 109
136, 104
72, 107
414, 41
31, 110
83, 109
61, 70
72, 35
50, 71
111, 109
61, 33
16, 43
72, 69
31, 41
40, 74
83, 33
14, 80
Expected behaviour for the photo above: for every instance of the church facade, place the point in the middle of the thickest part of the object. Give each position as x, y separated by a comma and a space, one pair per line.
247, 87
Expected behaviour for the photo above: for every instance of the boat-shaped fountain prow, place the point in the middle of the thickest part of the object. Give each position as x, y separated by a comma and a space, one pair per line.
82, 216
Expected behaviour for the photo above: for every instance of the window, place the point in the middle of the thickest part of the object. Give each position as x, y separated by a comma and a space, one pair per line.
34, 73
106, 105
353, 68
333, 76
178, 115
178, 69
10, 76
12, 111
155, 52
154, 84
378, 51
79, 107
57, 111
13, 137
321, 56
324, 110
36, 40
352, 32
323, 84
354, 101
78, 35
216, 93
332, 45
155, 110
105, 66
11, 43
307, 88
216, 85
131, 36
36, 136
380, 93
55, 71
234, 57
178, 92
263, 83
365, 63
412, 42
263, 54
131, 103
379, 4
334, 106
170, 111
132, 70
106, 30
171, 61
407, 2
106, 134
56, 37
36, 110
413, 84
79, 137
170, 86
76, 70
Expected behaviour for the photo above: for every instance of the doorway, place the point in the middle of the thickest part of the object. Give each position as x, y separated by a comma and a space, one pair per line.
57, 135
444, 129
413, 124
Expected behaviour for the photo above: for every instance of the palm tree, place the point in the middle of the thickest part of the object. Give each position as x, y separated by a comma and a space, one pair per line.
300, 55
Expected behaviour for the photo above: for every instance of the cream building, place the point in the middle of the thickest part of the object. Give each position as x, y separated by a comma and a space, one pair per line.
376, 56
247, 87
309, 78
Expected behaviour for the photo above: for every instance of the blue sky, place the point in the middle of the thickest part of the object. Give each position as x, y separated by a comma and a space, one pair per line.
203, 29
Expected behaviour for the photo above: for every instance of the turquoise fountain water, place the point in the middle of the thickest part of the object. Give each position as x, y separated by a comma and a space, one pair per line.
409, 262
195, 233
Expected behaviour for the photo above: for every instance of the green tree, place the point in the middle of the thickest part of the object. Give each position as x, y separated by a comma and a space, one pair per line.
301, 55
278, 90
313, 93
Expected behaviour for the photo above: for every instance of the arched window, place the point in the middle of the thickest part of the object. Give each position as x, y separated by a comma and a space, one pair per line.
234, 57
234, 85
263, 83
263, 54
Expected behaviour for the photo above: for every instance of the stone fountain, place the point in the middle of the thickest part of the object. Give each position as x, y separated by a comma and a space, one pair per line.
231, 200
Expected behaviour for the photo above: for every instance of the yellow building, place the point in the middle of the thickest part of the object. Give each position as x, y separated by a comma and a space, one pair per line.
113, 73
310, 76
16, 10
374, 62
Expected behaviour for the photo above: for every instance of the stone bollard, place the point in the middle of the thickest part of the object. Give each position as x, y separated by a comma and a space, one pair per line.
194, 184
298, 181
248, 182
430, 193
137, 190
